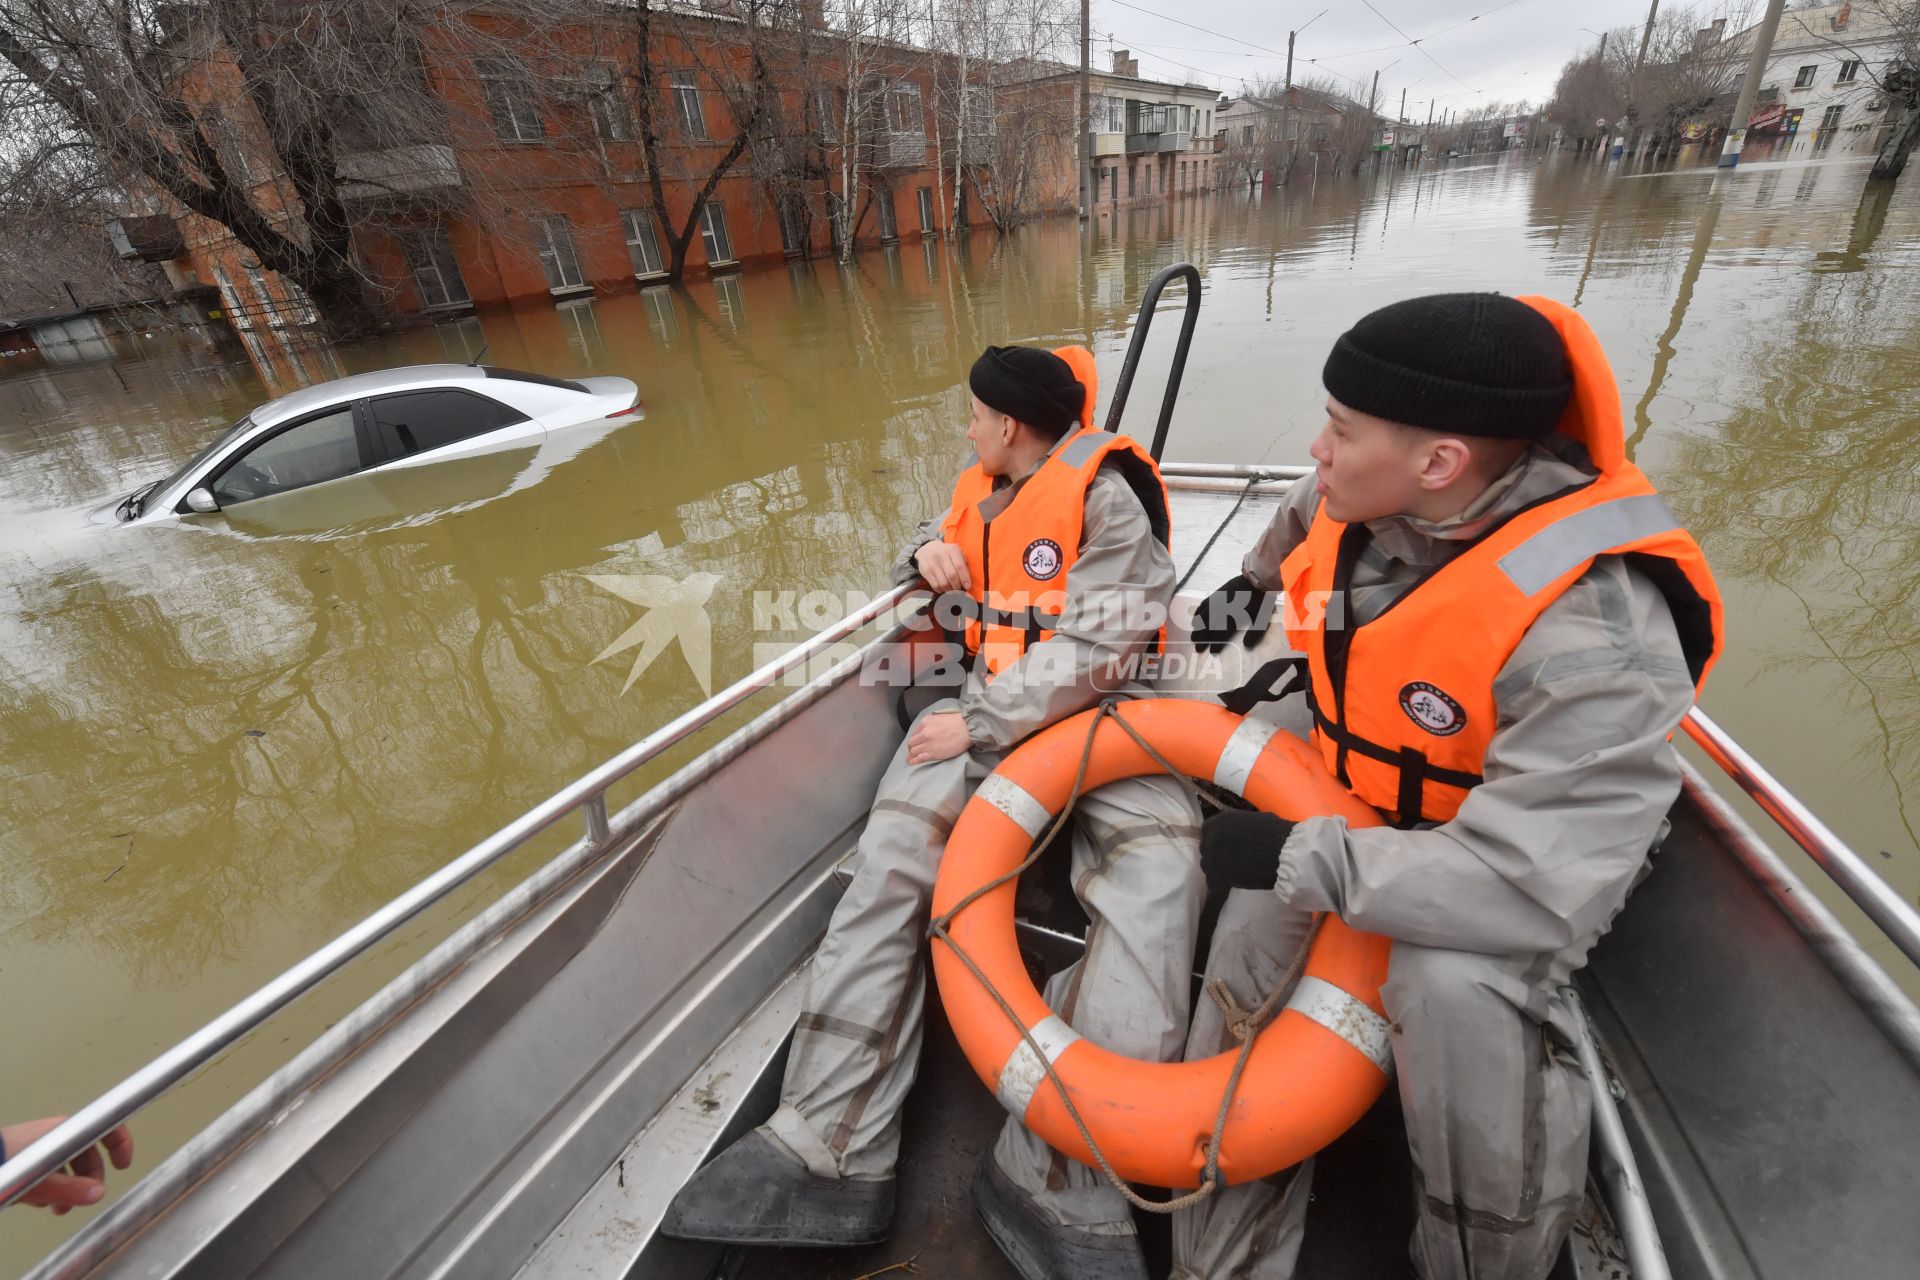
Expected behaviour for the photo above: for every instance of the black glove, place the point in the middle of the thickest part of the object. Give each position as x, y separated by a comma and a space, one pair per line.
1235, 602
1241, 849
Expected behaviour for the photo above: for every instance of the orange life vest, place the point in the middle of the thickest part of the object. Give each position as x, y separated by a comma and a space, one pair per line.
1403, 705
1018, 561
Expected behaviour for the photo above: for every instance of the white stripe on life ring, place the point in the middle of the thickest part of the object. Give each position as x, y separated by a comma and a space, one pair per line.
1016, 802
1023, 1071
1347, 1017
1242, 751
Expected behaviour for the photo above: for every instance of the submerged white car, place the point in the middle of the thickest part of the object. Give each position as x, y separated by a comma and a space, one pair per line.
394, 418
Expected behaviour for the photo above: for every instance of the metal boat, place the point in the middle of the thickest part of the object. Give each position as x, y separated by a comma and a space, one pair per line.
525, 1099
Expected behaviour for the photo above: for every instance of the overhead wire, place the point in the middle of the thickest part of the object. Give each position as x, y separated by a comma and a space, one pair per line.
1416, 44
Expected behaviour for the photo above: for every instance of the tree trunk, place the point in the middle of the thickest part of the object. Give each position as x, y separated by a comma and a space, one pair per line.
347, 307
1892, 160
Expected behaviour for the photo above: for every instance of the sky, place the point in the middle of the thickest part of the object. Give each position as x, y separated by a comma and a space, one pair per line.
1471, 52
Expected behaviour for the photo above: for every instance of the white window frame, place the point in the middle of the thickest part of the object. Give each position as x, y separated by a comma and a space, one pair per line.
230, 299
926, 211
906, 112
553, 238
687, 107
643, 244
425, 249
714, 237
607, 105
1805, 76
1849, 71
504, 85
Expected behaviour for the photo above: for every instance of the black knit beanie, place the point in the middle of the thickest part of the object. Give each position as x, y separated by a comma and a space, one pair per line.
1028, 385
1476, 364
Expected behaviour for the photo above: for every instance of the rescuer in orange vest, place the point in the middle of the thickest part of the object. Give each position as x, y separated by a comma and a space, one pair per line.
1054, 573
1502, 625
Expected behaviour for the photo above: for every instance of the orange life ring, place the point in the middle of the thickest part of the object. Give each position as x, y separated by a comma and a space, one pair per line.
1314, 1069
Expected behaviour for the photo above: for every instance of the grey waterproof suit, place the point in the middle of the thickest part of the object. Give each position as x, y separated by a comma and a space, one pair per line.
1490, 912
1135, 868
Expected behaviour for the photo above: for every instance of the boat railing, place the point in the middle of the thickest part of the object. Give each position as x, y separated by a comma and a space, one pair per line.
585, 795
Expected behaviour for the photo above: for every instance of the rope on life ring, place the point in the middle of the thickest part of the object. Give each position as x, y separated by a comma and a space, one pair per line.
1296, 1082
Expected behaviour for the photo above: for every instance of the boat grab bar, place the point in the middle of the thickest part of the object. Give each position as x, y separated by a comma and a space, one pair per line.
586, 794
1896, 917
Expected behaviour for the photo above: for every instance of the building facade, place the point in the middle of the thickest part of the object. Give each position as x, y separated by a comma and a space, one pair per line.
1821, 88
537, 185
1151, 141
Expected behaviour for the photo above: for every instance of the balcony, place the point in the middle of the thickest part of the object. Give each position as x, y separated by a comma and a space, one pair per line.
977, 148
1109, 144
149, 239
889, 150
1146, 143
398, 171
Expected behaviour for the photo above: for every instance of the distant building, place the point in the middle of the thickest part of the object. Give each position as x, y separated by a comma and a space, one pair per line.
1256, 136
1152, 140
1820, 90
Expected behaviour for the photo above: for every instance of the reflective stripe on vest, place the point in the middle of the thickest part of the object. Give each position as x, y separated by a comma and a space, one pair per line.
1018, 561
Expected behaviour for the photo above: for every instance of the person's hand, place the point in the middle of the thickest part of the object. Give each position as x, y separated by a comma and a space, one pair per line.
1241, 850
944, 566
1235, 603
84, 1180
938, 735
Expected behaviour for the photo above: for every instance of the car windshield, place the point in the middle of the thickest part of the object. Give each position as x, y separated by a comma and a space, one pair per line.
199, 459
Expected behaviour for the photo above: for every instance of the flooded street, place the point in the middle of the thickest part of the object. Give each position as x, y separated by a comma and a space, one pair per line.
225, 739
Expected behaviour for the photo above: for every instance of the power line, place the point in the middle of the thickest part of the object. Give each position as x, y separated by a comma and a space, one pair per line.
1416, 44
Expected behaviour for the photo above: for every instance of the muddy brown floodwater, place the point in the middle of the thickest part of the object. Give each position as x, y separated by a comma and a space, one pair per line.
225, 739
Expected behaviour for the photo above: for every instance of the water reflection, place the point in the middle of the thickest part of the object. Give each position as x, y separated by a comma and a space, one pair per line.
221, 743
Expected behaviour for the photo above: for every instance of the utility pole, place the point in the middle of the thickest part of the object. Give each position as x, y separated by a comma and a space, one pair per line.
1286, 101
1086, 119
1756, 68
1633, 76
1286, 105
1403, 106
1373, 94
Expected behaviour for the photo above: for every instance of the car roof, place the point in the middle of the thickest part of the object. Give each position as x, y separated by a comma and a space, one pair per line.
354, 386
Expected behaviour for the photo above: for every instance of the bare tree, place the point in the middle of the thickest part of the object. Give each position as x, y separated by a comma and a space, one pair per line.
1005, 105
289, 127
749, 98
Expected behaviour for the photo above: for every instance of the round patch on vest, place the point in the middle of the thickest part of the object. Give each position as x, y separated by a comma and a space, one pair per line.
1432, 709
1042, 559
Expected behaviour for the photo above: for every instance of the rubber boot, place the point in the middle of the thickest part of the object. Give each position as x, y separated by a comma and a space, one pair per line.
1041, 1249
758, 1192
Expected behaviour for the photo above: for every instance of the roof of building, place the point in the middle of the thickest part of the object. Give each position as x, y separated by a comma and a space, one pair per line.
1812, 30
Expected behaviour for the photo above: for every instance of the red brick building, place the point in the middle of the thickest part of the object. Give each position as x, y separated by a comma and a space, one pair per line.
537, 183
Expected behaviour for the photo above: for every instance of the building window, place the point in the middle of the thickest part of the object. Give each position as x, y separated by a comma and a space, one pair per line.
713, 232
831, 106
430, 258
554, 239
1113, 184
904, 113
230, 300
607, 106
686, 104
792, 210
926, 211
1246, 135
1183, 175
509, 100
643, 246
889, 220
1133, 181
268, 308
1848, 70
1831, 120
1805, 77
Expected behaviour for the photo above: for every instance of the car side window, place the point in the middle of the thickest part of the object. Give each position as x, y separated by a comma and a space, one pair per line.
322, 448
416, 421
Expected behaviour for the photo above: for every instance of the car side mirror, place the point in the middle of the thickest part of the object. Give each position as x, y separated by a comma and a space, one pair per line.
202, 500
